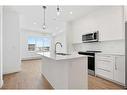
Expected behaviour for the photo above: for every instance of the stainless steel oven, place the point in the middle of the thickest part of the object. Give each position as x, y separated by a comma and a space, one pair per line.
90, 37
91, 60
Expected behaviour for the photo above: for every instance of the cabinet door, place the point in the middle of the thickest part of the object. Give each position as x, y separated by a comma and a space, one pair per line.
104, 66
104, 73
119, 69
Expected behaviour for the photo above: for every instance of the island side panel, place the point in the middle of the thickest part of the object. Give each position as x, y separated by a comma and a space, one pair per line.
78, 73
56, 72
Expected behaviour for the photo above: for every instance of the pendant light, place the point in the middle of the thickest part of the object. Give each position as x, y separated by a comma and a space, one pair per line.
58, 10
44, 25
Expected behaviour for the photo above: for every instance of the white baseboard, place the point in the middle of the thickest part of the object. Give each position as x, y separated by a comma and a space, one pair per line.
12, 71
30, 58
1, 83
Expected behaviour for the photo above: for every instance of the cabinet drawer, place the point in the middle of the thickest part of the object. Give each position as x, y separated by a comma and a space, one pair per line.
104, 73
104, 57
105, 64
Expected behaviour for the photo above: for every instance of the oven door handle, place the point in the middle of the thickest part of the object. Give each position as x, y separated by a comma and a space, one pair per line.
90, 56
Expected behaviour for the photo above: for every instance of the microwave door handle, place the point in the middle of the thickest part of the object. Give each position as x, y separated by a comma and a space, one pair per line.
93, 36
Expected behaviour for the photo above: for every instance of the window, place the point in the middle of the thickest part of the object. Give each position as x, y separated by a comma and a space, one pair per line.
39, 44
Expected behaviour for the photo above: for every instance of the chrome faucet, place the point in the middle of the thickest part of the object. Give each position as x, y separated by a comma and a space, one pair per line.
56, 45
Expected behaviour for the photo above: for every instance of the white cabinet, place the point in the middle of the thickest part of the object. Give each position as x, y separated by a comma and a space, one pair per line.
11, 42
119, 69
107, 20
111, 67
111, 24
104, 66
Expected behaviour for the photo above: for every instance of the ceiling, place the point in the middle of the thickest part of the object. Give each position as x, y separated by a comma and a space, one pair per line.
31, 17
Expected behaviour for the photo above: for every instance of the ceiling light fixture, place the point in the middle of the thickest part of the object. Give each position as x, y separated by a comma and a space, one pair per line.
58, 10
34, 23
71, 12
44, 25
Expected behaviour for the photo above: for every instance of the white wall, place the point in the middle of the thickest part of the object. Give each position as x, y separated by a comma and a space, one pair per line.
108, 20
61, 37
1, 75
11, 42
69, 38
25, 54
125, 13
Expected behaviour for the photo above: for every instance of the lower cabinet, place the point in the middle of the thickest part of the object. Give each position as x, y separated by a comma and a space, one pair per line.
110, 67
119, 69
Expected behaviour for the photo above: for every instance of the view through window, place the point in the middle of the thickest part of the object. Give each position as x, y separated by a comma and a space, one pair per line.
39, 44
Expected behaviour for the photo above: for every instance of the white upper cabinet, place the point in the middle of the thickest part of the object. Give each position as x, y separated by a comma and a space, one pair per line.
108, 20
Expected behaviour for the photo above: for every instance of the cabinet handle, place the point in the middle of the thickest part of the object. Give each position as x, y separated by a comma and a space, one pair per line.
90, 56
104, 69
105, 60
115, 66
107, 56
93, 36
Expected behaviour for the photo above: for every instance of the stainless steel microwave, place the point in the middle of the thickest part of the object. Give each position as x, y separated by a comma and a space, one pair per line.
90, 37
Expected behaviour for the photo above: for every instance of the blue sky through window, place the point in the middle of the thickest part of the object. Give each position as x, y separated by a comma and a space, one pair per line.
40, 41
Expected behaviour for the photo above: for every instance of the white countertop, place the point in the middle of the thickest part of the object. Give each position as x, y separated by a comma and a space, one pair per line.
61, 57
109, 53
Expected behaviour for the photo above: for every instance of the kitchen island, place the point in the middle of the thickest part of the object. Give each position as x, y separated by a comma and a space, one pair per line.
65, 71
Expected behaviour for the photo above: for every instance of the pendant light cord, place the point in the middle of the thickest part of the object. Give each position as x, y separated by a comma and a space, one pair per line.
44, 7
44, 15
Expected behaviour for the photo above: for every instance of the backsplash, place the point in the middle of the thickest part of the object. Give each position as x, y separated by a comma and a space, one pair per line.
117, 46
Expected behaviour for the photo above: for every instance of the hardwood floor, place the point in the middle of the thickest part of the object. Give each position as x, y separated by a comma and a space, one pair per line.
99, 83
30, 78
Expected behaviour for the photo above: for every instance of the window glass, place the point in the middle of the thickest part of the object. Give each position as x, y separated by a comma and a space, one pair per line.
40, 44
31, 40
47, 42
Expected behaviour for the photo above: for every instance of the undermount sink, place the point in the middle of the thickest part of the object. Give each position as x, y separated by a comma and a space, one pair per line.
62, 54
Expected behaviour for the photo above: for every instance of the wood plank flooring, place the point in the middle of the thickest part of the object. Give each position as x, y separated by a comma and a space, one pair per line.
99, 83
30, 78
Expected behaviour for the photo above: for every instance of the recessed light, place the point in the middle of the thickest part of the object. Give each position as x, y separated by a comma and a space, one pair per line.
56, 28
71, 12
34, 23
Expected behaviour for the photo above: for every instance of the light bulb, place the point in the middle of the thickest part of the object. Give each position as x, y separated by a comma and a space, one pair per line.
44, 27
71, 12
58, 13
